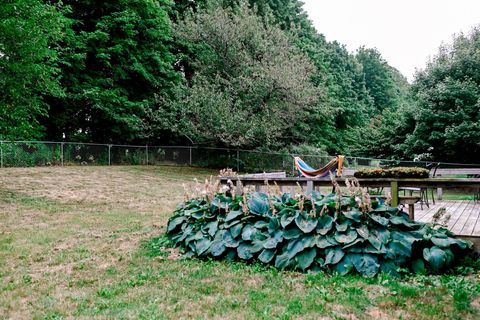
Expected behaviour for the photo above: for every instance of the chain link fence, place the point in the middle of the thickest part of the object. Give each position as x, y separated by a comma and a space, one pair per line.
48, 153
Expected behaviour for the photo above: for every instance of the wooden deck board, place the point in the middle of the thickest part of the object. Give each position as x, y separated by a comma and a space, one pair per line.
464, 215
470, 221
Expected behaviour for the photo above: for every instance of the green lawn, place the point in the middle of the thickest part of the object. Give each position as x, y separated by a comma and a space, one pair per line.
80, 242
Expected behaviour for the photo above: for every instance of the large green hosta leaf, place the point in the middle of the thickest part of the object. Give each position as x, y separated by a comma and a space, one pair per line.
291, 232
258, 203
217, 248
294, 247
236, 230
248, 232
345, 265
201, 246
334, 255
266, 256
324, 225
232, 215
436, 257
306, 225
380, 220
305, 259
244, 251
175, 222
354, 215
230, 241
347, 237
282, 261
366, 264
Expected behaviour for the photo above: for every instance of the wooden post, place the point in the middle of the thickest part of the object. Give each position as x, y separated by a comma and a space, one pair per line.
394, 190
239, 190
309, 186
411, 211
439, 193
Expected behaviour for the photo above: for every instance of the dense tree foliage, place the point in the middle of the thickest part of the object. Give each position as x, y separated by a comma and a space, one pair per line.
240, 73
249, 84
448, 100
117, 58
29, 33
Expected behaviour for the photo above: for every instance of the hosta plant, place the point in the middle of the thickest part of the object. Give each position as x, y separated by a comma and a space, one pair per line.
342, 233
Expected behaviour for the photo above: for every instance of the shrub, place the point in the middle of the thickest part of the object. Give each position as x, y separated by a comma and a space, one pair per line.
312, 232
398, 172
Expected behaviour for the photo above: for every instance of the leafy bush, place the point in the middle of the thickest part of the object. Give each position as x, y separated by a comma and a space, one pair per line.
398, 172
312, 232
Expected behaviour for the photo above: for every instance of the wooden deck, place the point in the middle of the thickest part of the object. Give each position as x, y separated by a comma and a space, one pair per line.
464, 215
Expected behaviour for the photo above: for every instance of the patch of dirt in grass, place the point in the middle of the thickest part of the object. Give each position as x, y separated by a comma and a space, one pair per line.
375, 313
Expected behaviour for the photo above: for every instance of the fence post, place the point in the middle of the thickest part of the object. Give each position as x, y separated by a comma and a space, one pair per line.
238, 160
146, 151
1, 154
109, 154
190, 155
61, 153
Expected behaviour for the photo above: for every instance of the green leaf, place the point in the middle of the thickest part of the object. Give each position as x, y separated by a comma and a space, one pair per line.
397, 248
346, 238
436, 257
351, 244
201, 246
217, 248
353, 215
324, 243
381, 234
306, 258
261, 225
380, 220
244, 251
236, 230
418, 266
285, 220
291, 233
248, 232
306, 225
334, 255
342, 227
266, 256
229, 241
273, 225
294, 247
212, 228
324, 225
362, 231
442, 242
282, 261
366, 264
174, 223
375, 242
258, 204
232, 215
389, 267
397, 220
345, 265
271, 243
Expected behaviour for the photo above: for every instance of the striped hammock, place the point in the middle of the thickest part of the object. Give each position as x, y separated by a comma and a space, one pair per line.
335, 165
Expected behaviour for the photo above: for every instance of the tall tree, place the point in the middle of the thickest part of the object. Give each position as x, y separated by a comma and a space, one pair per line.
249, 84
118, 59
384, 84
29, 35
448, 103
